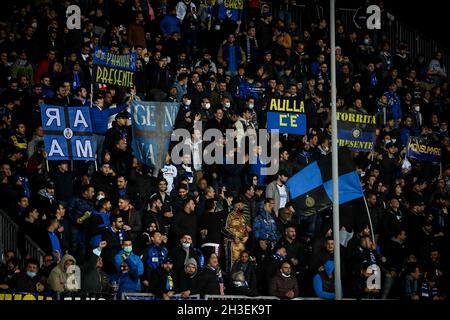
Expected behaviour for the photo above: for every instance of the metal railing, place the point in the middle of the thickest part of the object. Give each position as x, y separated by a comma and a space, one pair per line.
9, 232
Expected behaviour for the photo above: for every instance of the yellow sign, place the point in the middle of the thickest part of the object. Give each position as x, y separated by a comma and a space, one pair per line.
287, 105
107, 75
234, 4
422, 148
355, 117
22, 297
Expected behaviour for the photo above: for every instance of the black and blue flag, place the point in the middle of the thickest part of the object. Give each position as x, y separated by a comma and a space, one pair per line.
311, 188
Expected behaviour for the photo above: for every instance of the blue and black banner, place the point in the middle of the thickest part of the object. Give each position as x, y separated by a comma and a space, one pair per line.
312, 188
356, 131
423, 150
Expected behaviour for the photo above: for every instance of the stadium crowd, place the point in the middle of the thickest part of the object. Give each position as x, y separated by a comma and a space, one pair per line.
203, 229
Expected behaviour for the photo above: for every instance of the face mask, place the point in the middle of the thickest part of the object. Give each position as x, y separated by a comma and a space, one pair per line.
366, 41
31, 274
188, 102
146, 59
207, 106
100, 197
286, 275
34, 25
185, 245
128, 249
227, 105
251, 106
417, 108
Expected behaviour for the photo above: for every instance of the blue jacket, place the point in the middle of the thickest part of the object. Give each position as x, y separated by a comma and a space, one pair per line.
318, 283
394, 104
155, 256
96, 239
99, 117
129, 281
405, 133
265, 227
232, 55
170, 24
78, 206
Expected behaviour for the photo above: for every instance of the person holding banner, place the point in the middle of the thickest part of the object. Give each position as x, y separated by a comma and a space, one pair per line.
99, 117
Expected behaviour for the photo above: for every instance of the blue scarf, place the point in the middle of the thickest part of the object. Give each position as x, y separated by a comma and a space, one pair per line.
55, 242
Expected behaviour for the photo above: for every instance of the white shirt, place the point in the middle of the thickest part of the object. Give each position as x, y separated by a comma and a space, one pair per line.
283, 195
169, 173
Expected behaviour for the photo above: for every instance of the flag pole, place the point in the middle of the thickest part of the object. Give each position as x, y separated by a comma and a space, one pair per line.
334, 157
370, 221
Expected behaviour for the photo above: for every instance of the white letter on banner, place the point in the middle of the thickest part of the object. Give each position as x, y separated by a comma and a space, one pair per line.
136, 115
85, 152
170, 115
79, 118
52, 114
55, 148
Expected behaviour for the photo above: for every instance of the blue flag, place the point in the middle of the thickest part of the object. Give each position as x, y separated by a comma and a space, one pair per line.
68, 133
152, 124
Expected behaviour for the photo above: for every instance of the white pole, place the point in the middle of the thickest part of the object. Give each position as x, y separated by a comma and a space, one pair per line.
370, 221
334, 157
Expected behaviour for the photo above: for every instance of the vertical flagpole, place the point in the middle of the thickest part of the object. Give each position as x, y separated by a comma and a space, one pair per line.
334, 157
370, 221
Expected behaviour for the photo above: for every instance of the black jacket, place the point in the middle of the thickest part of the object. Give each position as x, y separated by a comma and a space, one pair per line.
22, 282
185, 223
109, 252
178, 255
208, 283
63, 186
158, 282
92, 280
211, 221
189, 283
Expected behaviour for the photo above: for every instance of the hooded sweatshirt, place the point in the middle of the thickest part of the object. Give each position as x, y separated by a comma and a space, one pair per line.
57, 279
324, 281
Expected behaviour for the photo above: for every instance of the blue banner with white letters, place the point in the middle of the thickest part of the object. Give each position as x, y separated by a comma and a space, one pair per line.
68, 133
152, 124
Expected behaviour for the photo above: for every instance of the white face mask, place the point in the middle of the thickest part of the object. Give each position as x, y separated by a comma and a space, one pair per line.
207, 105
251, 105
417, 108
34, 25
227, 105
146, 59
188, 102
185, 245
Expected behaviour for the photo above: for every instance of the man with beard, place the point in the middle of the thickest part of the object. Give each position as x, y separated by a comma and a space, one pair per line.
131, 217
183, 252
154, 214
154, 255
188, 282
164, 280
